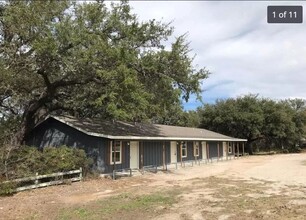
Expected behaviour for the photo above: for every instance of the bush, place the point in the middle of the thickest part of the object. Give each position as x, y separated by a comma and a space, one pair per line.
23, 162
7, 188
26, 161
295, 149
64, 159
285, 151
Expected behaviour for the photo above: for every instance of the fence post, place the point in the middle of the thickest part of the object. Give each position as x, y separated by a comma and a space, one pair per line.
81, 173
36, 180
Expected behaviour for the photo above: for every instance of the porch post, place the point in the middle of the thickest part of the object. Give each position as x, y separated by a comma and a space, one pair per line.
113, 148
164, 156
234, 151
181, 153
207, 151
242, 148
141, 155
238, 149
218, 145
226, 150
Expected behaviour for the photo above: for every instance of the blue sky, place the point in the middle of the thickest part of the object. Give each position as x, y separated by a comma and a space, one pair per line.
235, 43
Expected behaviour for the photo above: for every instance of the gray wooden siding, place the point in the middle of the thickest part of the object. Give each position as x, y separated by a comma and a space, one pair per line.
153, 152
54, 133
213, 149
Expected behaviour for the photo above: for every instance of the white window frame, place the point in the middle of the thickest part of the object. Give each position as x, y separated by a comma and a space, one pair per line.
184, 148
112, 151
230, 150
196, 146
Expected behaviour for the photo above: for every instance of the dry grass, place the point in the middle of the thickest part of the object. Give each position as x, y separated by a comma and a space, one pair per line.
241, 199
125, 206
209, 198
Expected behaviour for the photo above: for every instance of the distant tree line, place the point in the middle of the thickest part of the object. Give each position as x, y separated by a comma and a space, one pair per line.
265, 123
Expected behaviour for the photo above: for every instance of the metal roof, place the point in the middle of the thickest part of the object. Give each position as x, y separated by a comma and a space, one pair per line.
119, 130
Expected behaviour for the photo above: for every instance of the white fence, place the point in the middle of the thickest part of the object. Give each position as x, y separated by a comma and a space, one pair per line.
38, 181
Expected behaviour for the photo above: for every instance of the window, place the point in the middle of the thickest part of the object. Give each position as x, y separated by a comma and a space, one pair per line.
116, 152
184, 149
196, 149
229, 147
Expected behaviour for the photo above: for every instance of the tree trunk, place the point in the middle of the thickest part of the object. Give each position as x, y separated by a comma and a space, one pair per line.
25, 128
27, 124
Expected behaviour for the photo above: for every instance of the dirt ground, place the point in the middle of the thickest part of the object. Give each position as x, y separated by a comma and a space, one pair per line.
255, 187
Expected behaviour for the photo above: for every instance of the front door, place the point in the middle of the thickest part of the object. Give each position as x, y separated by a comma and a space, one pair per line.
134, 154
173, 152
224, 144
204, 154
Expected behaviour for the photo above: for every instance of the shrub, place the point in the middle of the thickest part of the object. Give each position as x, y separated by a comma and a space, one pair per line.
26, 161
285, 151
64, 159
7, 188
295, 149
23, 162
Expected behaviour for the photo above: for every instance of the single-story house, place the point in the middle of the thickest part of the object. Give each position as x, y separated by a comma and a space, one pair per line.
121, 145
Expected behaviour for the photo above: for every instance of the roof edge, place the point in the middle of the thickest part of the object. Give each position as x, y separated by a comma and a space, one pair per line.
141, 138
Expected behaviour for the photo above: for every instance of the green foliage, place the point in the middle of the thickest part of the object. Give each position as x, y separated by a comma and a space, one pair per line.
294, 149
263, 122
8, 126
241, 117
26, 161
64, 159
7, 188
90, 60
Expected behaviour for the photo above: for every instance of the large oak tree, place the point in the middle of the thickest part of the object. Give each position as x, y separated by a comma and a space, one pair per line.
89, 60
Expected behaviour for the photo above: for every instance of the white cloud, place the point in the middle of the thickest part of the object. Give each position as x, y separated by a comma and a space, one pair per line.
235, 42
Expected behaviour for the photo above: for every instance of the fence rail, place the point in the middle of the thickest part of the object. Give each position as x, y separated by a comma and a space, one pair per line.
50, 179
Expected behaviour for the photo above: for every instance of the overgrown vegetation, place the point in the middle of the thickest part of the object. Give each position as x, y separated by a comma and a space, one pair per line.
28, 161
7, 188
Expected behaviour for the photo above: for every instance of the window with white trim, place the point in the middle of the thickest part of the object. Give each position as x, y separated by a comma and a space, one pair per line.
184, 149
230, 147
196, 148
116, 152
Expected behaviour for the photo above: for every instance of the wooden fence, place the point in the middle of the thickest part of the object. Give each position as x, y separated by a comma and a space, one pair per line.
38, 181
